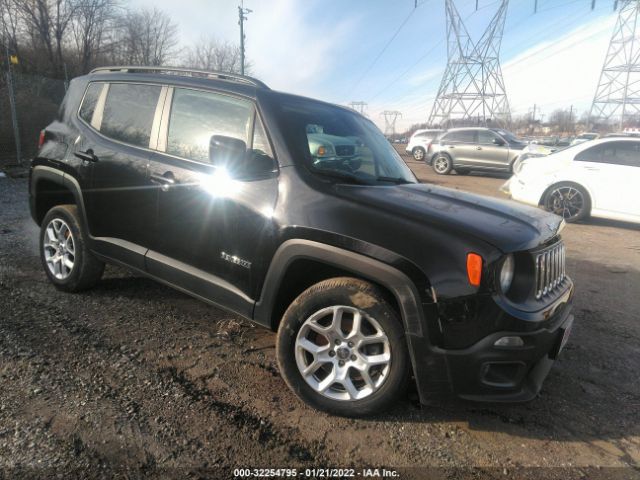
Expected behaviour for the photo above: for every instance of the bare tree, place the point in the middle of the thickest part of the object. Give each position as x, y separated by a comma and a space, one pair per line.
46, 22
148, 37
90, 29
210, 54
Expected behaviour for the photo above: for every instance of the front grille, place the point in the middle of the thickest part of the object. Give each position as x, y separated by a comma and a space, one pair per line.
550, 269
345, 150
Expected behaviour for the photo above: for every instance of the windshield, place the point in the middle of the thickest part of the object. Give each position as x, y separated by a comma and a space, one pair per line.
341, 145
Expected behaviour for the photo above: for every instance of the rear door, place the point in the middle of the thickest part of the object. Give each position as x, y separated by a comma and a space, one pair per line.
460, 146
491, 151
115, 145
612, 172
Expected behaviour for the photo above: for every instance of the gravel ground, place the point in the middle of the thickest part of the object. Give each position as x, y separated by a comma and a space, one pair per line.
133, 379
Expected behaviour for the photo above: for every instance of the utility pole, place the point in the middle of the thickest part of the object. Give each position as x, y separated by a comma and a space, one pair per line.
618, 93
472, 84
242, 16
12, 98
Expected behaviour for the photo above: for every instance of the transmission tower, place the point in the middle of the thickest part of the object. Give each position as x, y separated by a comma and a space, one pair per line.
390, 117
618, 94
472, 89
359, 107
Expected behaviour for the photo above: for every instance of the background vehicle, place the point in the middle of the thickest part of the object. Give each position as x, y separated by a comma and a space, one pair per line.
420, 142
467, 149
214, 184
598, 178
585, 137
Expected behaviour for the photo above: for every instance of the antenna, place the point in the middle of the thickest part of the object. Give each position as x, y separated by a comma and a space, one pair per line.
472, 89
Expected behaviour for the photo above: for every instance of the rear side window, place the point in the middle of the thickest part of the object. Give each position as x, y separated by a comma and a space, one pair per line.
463, 136
129, 111
197, 116
486, 137
90, 101
615, 153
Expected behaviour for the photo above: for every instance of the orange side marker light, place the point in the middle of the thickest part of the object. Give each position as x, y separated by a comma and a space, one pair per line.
474, 269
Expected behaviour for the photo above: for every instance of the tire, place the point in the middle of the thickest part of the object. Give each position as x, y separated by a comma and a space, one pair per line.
442, 164
418, 153
68, 263
316, 309
569, 200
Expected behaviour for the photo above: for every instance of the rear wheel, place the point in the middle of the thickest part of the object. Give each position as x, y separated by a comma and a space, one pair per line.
341, 348
568, 200
418, 153
66, 259
442, 164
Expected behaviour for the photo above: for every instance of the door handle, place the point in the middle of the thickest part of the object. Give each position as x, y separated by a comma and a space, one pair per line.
452, 146
86, 156
593, 169
165, 180
478, 148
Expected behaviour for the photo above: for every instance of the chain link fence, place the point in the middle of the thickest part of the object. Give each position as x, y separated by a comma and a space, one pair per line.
36, 100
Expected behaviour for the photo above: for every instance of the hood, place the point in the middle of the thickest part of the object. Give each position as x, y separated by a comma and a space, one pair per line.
505, 224
517, 145
333, 139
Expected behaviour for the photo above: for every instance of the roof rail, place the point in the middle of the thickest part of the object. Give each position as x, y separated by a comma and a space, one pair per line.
187, 72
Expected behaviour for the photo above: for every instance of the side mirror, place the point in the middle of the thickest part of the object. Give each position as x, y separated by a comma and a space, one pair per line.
498, 141
226, 151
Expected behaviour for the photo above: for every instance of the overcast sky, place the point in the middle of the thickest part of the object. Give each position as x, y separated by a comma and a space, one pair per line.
326, 48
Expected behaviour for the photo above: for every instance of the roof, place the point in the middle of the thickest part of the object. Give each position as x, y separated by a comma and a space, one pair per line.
241, 84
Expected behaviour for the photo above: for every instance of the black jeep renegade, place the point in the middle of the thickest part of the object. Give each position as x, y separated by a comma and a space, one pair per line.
299, 215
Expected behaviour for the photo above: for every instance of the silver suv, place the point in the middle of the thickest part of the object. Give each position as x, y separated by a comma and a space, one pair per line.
466, 149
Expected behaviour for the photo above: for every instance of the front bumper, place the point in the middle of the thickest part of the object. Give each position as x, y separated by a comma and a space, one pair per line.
486, 372
516, 189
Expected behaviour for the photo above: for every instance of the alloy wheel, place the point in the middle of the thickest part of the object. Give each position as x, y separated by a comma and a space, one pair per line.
441, 164
59, 248
566, 201
342, 353
418, 154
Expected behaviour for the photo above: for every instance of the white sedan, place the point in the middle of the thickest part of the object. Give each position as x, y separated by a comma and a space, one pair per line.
600, 178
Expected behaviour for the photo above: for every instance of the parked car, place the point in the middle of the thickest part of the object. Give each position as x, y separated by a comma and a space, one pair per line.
420, 141
467, 149
585, 137
599, 178
213, 184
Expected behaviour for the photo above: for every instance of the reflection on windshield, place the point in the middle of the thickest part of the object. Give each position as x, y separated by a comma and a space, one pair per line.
342, 145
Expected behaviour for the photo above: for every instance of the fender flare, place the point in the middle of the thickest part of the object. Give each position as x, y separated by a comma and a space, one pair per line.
43, 172
397, 282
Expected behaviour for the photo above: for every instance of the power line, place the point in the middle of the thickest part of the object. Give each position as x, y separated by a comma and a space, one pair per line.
384, 49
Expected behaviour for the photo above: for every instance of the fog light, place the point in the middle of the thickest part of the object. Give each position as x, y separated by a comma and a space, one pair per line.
509, 342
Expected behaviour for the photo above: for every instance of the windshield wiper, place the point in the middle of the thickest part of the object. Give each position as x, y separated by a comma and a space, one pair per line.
343, 176
397, 180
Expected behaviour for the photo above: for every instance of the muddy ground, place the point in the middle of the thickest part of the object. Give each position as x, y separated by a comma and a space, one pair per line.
133, 379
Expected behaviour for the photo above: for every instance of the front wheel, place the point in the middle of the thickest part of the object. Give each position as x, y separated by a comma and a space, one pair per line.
341, 348
568, 200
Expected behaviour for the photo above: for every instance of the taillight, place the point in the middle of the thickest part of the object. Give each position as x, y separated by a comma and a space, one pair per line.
41, 139
429, 146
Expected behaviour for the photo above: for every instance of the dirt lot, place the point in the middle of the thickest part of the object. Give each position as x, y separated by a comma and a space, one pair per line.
133, 379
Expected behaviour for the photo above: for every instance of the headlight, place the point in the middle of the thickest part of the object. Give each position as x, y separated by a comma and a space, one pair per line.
506, 273
325, 150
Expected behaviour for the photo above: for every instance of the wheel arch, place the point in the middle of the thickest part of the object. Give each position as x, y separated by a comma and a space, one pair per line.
300, 263
50, 187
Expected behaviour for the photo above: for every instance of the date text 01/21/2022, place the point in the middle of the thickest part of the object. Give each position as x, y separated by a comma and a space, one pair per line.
315, 473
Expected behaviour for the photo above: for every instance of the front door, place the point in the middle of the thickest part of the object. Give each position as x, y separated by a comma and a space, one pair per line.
212, 224
491, 151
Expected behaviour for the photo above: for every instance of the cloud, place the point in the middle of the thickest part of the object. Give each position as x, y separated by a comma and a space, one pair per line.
292, 49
